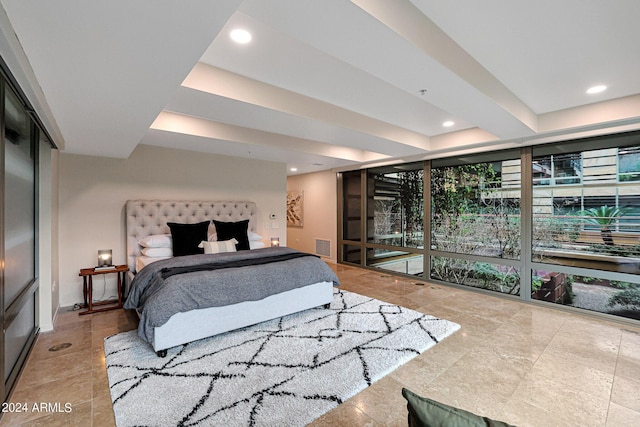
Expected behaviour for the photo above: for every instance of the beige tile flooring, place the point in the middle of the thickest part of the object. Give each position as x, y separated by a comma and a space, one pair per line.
524, 364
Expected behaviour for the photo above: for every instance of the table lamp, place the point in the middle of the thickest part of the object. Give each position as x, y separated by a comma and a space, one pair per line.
104, 258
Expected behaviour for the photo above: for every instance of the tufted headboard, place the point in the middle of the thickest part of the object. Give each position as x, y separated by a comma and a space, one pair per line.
147, 217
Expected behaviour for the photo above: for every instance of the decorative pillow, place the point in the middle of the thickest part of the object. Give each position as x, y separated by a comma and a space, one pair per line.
187, 237
157, 252
218, 247
233, 230
424, 412
156, 241
252, 236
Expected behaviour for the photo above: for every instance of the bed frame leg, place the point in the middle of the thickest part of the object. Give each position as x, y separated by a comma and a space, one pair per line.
161, 353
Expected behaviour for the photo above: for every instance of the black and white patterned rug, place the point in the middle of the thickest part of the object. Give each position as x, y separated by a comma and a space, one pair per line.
285, 372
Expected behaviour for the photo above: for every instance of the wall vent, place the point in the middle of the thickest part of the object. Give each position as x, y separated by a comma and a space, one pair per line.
323, 247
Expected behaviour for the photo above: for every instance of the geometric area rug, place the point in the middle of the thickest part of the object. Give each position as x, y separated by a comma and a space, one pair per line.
283, 372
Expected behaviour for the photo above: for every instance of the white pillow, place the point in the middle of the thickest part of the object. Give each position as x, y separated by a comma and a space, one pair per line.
253, 237
218, 247
157, 252
156, 241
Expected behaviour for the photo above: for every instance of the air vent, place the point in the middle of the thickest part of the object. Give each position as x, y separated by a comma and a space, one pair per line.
323, 247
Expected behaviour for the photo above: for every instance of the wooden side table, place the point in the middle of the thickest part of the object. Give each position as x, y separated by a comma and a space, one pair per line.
87, 288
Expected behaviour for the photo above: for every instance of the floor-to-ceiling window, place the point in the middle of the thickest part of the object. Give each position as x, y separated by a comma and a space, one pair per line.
558, 222
586, 232
475, 221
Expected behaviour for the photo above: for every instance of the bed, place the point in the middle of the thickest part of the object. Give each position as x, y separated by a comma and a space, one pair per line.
197, 296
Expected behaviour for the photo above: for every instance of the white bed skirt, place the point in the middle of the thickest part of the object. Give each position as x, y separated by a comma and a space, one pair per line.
197, 324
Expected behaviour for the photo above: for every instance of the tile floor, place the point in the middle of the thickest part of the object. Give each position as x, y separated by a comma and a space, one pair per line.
524, 364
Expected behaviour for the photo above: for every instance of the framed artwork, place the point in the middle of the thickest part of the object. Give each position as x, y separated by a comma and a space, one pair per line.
295, 201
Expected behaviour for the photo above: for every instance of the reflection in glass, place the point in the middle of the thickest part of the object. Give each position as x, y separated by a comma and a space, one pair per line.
396, 206
395, 260
629, 164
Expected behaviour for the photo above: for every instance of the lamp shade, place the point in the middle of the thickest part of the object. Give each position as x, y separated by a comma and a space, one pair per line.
275, 242
104, 257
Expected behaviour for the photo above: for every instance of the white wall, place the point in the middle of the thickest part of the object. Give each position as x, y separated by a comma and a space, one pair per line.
93, 192
319, 211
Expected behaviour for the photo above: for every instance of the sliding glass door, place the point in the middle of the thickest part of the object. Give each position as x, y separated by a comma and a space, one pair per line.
18, 248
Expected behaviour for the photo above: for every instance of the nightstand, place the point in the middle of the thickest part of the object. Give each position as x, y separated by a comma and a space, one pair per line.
87, 288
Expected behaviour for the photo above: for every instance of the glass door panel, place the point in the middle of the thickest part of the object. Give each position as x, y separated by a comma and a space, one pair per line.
19, 200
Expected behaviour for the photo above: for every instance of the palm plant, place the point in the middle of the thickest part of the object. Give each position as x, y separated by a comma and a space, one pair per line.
603, 217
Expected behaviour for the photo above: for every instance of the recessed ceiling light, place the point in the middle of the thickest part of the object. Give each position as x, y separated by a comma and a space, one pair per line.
294, 169
240, 36
596, 89
448, 124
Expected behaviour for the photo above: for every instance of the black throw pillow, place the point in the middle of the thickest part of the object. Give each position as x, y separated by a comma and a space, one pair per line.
234, 230
187, 237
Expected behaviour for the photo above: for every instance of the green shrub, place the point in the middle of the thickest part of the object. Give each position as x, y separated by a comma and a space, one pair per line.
536, 283
624, 285
628, 298
569, 295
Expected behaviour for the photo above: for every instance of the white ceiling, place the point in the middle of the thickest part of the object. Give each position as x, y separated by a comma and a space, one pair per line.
332, 83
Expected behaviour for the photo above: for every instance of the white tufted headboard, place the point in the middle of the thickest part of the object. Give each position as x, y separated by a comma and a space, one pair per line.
147, 217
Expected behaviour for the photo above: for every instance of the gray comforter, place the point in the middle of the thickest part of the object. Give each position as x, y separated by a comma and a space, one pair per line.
157, 298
